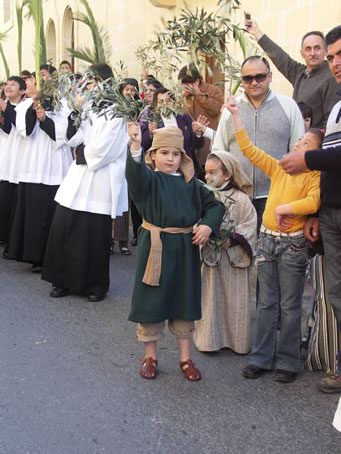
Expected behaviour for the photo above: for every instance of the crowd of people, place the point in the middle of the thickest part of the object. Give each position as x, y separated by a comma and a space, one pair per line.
229, 204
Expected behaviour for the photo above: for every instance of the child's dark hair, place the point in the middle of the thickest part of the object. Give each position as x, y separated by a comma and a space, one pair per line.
19, 81
317, 133
189, 74
102, 70
306, 110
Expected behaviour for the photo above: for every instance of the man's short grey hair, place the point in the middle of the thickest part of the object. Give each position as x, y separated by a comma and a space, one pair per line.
315, 33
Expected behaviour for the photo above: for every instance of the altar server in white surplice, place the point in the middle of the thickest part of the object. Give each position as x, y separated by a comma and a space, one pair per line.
92, 194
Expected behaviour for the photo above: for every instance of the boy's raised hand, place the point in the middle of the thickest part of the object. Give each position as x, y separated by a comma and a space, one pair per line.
134, 132
231, 105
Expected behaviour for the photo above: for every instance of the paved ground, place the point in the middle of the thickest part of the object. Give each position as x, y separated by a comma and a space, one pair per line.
69, 384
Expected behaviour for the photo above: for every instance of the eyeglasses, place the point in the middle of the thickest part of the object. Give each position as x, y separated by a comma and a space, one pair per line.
258, 78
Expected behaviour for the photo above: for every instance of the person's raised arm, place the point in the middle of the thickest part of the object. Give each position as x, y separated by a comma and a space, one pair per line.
283, 62
137, 174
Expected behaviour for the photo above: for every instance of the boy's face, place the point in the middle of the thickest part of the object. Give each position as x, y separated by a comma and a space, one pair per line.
30, 86
44, 74
166, 160
214, 174
65, 68
307, 123
12, 90
308, 142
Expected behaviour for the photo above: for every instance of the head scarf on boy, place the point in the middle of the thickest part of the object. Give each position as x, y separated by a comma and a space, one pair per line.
171, 137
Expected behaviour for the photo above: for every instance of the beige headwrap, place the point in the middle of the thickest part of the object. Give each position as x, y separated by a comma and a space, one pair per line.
235, 169
171, 137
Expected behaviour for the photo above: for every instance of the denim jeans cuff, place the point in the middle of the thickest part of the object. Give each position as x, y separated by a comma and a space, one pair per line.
262, 366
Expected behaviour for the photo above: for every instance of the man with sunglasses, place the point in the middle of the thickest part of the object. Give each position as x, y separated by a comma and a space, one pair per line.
273, 122
313, 84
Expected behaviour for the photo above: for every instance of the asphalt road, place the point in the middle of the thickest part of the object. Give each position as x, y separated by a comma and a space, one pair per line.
69, 384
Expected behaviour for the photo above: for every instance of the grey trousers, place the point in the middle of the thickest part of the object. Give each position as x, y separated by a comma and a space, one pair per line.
330, 225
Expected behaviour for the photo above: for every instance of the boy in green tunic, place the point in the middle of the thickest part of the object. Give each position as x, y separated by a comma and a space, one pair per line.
179, 214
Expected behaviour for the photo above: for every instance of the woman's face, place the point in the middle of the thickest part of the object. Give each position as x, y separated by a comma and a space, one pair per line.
214, 173
163, 99
150, 93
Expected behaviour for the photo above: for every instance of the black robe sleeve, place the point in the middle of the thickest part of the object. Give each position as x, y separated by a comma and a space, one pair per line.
31, 120
71, 129
48, 126
9, 118
80, 158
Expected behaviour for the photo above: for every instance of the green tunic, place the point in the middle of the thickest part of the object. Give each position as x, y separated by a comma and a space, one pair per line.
168, 201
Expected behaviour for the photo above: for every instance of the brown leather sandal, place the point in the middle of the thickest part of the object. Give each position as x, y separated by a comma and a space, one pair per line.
148, 369
190, 370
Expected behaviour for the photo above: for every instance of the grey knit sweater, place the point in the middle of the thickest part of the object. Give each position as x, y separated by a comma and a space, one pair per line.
274, 127
318, 88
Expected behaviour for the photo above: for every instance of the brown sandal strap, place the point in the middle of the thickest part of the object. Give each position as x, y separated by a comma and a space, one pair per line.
148, 369
191, 372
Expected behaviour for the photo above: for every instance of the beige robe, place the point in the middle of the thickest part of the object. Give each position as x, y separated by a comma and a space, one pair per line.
228, 289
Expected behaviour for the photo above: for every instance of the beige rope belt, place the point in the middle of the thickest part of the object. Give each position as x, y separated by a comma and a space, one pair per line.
153, 268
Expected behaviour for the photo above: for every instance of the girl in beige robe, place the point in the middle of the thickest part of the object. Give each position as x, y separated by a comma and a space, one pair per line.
228, 278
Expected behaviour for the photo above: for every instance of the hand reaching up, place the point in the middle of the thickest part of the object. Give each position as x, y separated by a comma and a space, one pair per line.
199, 126
231, 105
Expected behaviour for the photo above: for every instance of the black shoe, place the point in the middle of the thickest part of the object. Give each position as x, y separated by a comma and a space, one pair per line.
284, 376
36, 268
95, 298
251, 371
58, 292
134, 242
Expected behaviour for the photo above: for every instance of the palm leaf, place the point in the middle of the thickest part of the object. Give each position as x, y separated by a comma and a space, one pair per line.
19, 10
84, 54
35, 10
101, 51
3, 36
3, 56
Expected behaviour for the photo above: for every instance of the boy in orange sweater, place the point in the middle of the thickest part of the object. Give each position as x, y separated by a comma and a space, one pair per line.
281, 257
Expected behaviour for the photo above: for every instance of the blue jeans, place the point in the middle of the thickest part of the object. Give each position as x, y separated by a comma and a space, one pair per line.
281, 264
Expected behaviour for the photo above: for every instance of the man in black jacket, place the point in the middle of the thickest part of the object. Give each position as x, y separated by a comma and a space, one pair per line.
328, 160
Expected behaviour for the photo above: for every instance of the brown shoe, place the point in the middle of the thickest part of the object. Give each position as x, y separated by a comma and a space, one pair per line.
190, 370
148, 369
330, 384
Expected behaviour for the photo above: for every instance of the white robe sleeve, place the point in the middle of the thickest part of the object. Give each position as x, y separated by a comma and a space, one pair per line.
109, 139
20, 122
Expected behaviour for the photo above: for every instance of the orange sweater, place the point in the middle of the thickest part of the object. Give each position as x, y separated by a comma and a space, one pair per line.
301, 191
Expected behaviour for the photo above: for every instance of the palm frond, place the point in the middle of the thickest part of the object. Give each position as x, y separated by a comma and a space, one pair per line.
84, 54
3, 36
35, 10
19, 11
5, 62
101, 51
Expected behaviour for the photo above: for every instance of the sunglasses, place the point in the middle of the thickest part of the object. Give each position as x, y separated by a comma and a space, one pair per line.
258, 78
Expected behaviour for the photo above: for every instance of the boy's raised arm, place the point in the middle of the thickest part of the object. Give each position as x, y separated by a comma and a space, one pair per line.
137, 174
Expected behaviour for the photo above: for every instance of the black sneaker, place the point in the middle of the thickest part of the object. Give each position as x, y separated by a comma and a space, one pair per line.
59, 292
284, 376
252, 371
